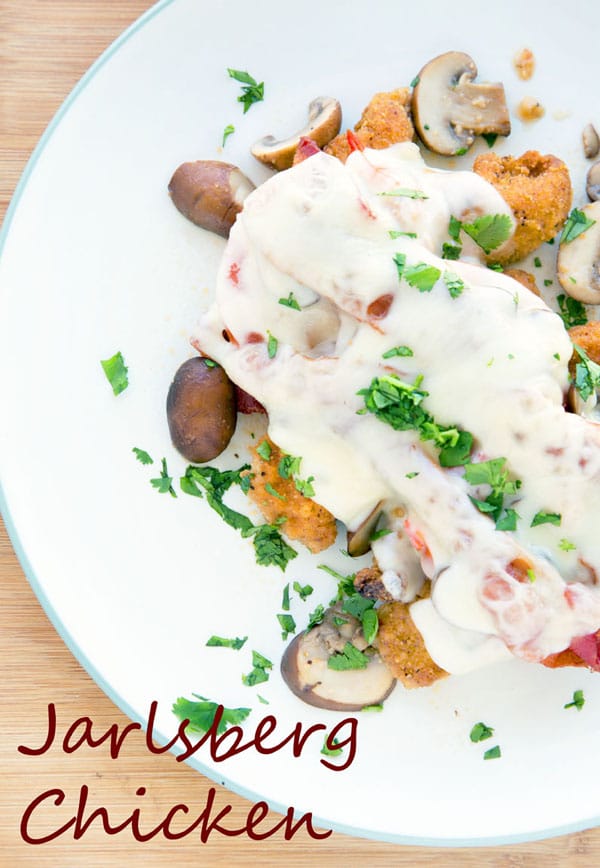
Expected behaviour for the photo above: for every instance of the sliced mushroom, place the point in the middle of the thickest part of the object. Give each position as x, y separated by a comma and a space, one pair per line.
449, 110
210, 193
305, 671
591, 141
324, 121
578, 267
593, 182
359, 540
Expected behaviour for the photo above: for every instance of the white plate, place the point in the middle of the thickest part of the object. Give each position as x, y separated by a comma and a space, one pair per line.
96, 260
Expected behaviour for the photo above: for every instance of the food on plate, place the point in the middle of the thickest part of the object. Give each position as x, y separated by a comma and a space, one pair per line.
538, 190
530, 109
385, 121
201, 410
402, 648
332, 666
524, 63
324, 121
525, 278
588, 338
210, 193
591, 141
578, 266
593, 182
449, 108
277, 489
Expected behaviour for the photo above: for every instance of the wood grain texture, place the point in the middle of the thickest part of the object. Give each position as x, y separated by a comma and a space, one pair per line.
45, 47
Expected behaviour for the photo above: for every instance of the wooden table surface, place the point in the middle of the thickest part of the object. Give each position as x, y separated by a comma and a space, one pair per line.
45, 47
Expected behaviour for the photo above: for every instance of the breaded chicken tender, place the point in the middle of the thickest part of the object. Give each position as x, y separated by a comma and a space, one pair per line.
402, 648
384, 122
306, 520
538, 189
525, 278
588, 338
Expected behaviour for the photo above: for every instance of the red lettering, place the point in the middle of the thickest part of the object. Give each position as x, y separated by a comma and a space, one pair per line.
333, 740
111, 734
25, 835
153, 748
291, 829
30, 751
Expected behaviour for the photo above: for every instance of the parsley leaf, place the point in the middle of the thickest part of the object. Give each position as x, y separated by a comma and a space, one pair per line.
395, 233
493, 753
220, 642
542, 517
572, 312
202, 714
305, 486
164, 483
489, 231
422, 276
454, 283
400, 260
490, 138
290, 301
116, 372
566, 545
252, 91
397, 351
285, 599
273, 491
578, 701
480, 732
288, 466
349, 658
451, 251
587, 374
303, 591
492, 473
335, 751
271, 548
272, 345
259, 673
142, 456
454, 227
264, 450
575, 225
228, 131
287, 624
316, 617
345, 583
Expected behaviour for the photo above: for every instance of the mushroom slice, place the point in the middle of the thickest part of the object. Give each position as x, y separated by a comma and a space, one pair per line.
305, 669
591, 141
210, 193
449, 110
578, 267
324, 121
359, 540
593, 182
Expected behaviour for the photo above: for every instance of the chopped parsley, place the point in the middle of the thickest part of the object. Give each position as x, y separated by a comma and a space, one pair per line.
378, 707
262, 699
252, 91
397, 351
288, 466
335, 751
272, 345
228, 131
290, 301
405, 192
305, 486
461, 152
492, 473
349, 658
548, 282
264, 450
587, 374
220, 642
142, 456
116, 372
537, 262
378, 534
202, 714
577, 702
316, 617
395, 233
259, 672
303, 591
412, 474
363, 609
490, 138
566, 545
480, 732
451, 251
273, 491
399, 404
271, 548
546, 518
287, 624
345, 583
422, 276
285, 598
572, 312
164, 482
454, 227
493, 753
495, 266
531, 575
415, 81
575, 225
489, 231
454, 283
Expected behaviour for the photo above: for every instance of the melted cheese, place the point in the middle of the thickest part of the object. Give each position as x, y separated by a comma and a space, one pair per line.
493, 360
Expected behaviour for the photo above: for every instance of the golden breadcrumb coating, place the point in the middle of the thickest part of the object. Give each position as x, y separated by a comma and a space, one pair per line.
525, 278
588, 338
538, 189
306, 520
402, 648
384, 122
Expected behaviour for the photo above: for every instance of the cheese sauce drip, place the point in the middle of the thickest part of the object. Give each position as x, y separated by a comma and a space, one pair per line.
493, 361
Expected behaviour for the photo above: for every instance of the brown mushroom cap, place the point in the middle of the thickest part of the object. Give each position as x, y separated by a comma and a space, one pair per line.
593, 182
591, 141
324, 121
449, 110
578, 266
305, 671
359, 540
210, 193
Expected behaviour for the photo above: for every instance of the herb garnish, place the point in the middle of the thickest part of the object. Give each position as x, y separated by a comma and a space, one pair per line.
572, 312
490, 138
287, 624
493, 753
480, 732
566, 545
202, 714
587, 374
395, 233
164, 482
272, 345
220, 642
303, 591
142, 456
290, 301
316, 617
116, 372
575, 225
259, 673
397, 351
542, 517
489, 231
415, 81
273, 491
345, 583
264, 450
421, 276
454, 283
336, 751
228, 131
451, 251
379, 534
252, 91
349, 658
285, 598
491, 473
578, 701
405, 192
